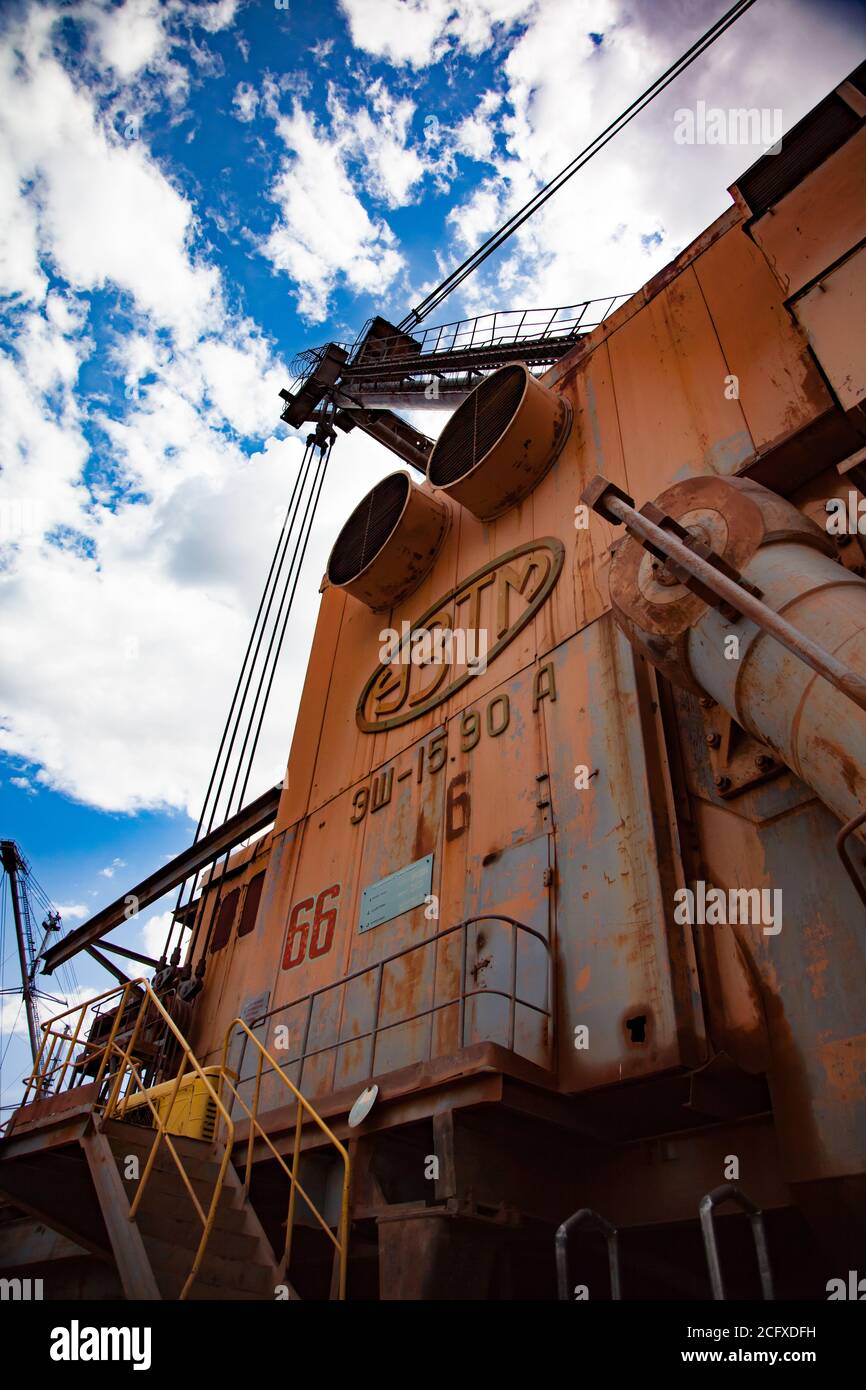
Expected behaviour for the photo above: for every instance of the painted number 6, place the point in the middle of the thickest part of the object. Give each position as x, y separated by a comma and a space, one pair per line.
317, 935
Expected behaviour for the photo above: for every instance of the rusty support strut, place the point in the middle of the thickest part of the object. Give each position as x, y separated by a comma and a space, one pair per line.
842, 850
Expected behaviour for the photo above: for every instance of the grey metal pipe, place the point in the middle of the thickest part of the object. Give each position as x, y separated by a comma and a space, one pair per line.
823, 662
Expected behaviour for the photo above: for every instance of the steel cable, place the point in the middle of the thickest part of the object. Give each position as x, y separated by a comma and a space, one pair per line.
501, 235
232, 727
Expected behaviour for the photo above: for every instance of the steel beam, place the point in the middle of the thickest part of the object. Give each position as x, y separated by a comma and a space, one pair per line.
252, 818
129, 954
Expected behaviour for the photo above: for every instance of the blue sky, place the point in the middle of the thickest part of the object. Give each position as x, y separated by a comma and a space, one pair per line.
189, 194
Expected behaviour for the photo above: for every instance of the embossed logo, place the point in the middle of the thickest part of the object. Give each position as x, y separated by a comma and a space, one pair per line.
498, 599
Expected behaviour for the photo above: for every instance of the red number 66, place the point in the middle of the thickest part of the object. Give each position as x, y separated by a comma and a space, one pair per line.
317, 934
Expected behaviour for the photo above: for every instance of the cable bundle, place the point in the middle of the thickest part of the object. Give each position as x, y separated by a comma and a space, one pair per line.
227, 789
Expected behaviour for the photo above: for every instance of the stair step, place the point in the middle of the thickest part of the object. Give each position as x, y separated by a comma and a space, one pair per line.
185, 1234
167, 1181
238, 1262
200, 1163
173, 1203
171, 1268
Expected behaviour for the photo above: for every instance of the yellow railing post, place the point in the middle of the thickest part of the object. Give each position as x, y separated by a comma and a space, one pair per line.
296, 1163
73, 1043
109, 1048
341, 1240
252, 1137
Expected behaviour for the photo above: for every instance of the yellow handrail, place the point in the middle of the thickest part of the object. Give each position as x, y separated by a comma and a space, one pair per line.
40, 1074
125, 1070
341, 1241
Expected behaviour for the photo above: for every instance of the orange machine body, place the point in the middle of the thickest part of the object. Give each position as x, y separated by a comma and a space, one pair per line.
580, 1045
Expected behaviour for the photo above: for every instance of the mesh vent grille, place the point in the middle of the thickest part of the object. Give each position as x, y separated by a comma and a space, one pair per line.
368, 528
810, 142
208, 1125
251, 905
224, 921
476, 425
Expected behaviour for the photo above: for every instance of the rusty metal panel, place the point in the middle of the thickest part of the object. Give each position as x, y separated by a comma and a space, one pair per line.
810, 978
617, 947
315, 946
244, 966
441, 579
502, 960
593, 447
669, 379
346, 752
343, 757
779, 387
497, 601
498, 746
819, 221
421, 804
833, 314
305, 749
398, 823
482, 544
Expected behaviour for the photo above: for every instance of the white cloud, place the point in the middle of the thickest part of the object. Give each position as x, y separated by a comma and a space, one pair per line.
100, 204
23, 784
114, 654
139, 34
154, 934
131, 36
13, 1017
110, 869
75, 912
643, 197
324, 234
141, 614
475, 136
245, 101
377, 136
418, 32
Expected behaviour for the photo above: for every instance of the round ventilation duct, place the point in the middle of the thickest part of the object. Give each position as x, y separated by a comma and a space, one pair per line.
500, 442
389, 542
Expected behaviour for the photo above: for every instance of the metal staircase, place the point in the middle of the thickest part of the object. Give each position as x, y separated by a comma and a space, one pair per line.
103, 1152
155, 1251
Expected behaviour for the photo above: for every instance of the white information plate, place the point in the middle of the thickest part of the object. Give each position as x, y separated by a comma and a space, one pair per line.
397, 893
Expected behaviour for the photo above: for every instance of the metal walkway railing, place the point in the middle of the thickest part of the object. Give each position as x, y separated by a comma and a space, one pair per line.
459, 1000
481, 343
